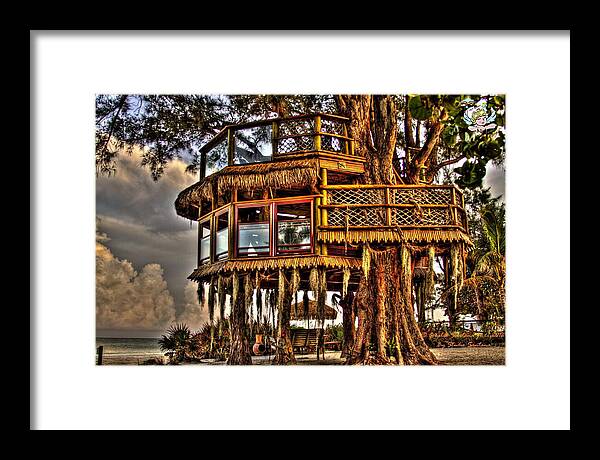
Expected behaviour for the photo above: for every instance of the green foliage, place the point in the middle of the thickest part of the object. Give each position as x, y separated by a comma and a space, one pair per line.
335, 332
419, 107
176, 126
178, 342
483, 290
459, 141
470, 174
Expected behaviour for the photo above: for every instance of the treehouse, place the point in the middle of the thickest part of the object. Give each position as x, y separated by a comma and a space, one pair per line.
286, 196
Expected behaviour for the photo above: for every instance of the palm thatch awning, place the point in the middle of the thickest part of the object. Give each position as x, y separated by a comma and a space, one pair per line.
280, 175
298, 311
274, 263
385, 236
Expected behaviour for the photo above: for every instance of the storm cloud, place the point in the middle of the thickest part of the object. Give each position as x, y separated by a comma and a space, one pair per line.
139, 216
128, 299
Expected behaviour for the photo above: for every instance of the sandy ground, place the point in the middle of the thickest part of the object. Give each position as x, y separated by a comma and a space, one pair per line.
458, 356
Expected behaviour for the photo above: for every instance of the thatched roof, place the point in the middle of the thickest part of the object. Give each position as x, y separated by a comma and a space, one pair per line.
411, 236
275, 174
273, 264
298, 311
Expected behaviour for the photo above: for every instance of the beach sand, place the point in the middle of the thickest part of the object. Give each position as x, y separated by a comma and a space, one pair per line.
455, 356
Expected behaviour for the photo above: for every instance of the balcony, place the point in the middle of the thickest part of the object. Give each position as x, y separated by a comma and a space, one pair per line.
354, 213
277, 139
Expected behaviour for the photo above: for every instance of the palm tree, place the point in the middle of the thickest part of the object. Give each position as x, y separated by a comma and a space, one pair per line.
488, 274
178, 341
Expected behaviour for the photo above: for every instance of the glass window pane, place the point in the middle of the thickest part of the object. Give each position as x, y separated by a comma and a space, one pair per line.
205, 242
222, 236
253, 145
293, 227
253, 231
216, 158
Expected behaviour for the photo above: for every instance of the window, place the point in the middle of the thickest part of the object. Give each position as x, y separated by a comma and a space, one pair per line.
253, 145
294, 227
204, 234
216, 158
222, 235
253, 231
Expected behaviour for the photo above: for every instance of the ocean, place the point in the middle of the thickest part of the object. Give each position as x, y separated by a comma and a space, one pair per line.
128, 350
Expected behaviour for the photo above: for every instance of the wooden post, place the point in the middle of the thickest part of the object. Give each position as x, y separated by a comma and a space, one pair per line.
202, 165
346, 142
454, 210
231, 223
324, 193
274, 135
100, 352
324, 201
230, 146
462, 201
388, 209
317, 222
317, 133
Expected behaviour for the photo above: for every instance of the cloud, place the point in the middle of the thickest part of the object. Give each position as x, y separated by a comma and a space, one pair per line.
193, 314
139, 215
495, 178
131, 194
126, 299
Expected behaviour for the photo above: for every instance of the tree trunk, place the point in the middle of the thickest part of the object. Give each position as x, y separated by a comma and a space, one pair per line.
374, 127
284, 353
238, 320
349, 320
387, 330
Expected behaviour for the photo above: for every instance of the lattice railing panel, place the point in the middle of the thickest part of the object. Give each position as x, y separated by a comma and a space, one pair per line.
356, 196
332, 144
332, 127
421, 195
295, 127
343, 217
421, 216
294, 144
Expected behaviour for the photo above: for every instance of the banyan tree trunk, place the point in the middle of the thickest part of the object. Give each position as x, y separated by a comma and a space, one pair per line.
284, 353
238, 320
387, 330
349, 319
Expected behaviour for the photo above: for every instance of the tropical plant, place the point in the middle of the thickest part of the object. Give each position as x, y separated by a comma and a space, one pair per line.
178, 343
220, 342
484, 288
294, 233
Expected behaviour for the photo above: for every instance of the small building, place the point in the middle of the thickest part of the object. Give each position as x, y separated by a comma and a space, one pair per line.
286, 194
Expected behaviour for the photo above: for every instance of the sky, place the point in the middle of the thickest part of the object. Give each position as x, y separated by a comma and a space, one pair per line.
145, 251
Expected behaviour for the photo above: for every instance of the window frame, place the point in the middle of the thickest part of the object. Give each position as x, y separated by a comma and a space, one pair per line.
252, 204
209, 259
285, 202
213, 251
273, 226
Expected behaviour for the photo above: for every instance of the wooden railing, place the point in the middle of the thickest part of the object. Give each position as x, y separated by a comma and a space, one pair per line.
357, 207
265, 140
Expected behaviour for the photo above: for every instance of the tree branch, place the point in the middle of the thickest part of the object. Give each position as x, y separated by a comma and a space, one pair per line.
113, 122
448, 162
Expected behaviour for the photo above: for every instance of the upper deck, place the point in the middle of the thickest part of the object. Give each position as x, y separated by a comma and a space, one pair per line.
281, 139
